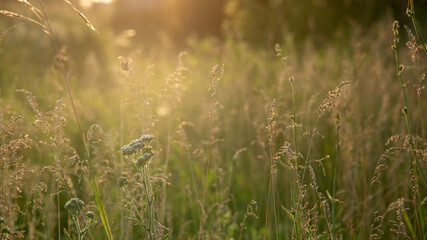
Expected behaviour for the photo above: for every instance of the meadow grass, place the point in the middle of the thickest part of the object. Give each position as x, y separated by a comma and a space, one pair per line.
223, 140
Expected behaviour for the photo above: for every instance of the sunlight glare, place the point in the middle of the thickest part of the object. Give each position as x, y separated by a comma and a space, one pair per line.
89, 3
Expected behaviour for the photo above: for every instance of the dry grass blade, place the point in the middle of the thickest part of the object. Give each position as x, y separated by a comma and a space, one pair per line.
82, 16
35, 10
23, 18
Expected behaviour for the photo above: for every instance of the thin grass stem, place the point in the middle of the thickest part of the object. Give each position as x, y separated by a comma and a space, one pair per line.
411, 13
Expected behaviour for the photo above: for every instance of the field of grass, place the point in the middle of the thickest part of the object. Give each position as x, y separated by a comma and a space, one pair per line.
104, 138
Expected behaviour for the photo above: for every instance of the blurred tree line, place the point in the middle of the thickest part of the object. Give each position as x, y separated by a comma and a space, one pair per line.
258, 22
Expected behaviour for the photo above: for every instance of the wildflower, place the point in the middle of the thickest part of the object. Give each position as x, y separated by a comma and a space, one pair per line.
122, 181
143, 160
148, 155
135, 145
90, 215
74, 205
140, 162
148, 149
128, 150
147, 138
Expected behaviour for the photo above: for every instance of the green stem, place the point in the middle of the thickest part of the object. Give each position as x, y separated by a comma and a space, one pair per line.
294, 134
150, 203
411, 14
148, 196
405, 103
299, 199
135, 208
76, 222
334, 182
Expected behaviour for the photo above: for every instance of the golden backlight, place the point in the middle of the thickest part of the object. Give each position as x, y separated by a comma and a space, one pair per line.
89, 3
213, 119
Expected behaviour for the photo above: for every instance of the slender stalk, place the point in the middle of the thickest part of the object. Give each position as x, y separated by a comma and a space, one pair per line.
334, 182
145, 174
274, 195
299, 199
399, 70
274, 209
294, 128
419, 121
208, 163
411, 14
168, 147
267, 210
58, 212
150, 202
135, 208
98, 199
76, 222
271, 185
294, 135
196, 194
122, 219
213, 104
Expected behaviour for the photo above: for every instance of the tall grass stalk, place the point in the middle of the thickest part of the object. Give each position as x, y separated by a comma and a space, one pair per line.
98, 198
299, 198
217, 74
399, 70
165, 167
334, 181
149, 197
327, 105
271, 184
418, 124
411, 13
189, 160
294, 129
